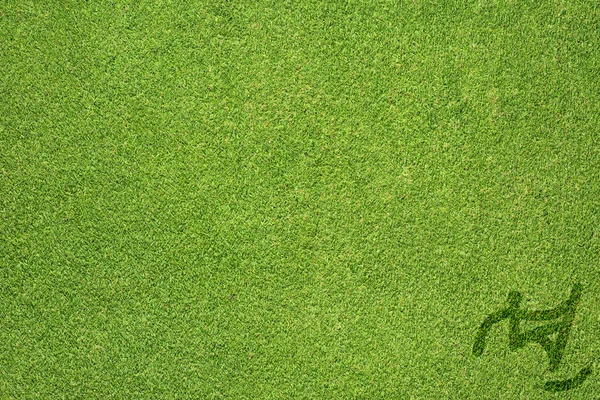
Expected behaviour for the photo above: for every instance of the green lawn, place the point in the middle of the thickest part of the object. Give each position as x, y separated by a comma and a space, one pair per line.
296, 199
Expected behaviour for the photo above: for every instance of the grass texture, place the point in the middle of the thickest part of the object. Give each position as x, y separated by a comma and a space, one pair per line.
297, 199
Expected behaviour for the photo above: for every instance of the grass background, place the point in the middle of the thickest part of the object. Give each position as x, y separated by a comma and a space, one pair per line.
277, 199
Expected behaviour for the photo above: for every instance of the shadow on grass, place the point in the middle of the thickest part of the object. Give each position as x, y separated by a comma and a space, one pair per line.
561, 320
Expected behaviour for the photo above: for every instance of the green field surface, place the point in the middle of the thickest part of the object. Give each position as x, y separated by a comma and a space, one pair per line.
299, 199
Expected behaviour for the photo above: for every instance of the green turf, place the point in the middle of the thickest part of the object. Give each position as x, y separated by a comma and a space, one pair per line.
295, 199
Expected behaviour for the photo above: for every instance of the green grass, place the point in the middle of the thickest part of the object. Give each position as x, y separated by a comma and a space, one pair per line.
294, 199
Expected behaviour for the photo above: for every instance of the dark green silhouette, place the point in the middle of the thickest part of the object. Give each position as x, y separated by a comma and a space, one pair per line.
562, 319
561, 385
